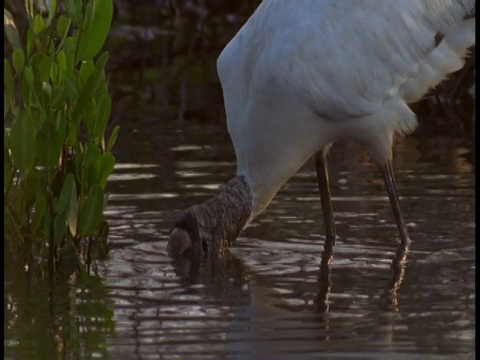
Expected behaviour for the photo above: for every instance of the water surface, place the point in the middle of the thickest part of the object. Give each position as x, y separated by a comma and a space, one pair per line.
264, 300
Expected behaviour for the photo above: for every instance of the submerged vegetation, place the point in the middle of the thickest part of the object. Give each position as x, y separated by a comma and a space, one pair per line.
57, 156
57, 159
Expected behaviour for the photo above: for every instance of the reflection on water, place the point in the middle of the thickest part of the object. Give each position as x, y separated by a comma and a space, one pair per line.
69, 318
269, 298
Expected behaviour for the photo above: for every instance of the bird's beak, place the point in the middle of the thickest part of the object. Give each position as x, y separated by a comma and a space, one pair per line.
179, 242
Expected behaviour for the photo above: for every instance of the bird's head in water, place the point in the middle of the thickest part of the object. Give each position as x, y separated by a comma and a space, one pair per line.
185, 239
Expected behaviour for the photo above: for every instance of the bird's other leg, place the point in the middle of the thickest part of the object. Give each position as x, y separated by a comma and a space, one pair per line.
321, 299
321, 168
398, 273
387, 172
326, 200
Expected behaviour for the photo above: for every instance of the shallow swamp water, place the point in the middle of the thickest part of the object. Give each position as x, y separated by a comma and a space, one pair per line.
261, 301
265, 299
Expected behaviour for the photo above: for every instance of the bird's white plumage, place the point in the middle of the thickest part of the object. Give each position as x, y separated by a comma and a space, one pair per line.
302, 74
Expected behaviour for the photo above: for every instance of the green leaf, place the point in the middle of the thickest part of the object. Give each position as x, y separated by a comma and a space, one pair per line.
104, 110
40, 118
106, 165
6, 105
23, 140
8, 81
86, 70
38, 24
90, 164
30, 185
72, 139
72, 87
26, 88
11, 29
90, 86
62, 65
65, 194
90, 114
30, 8
87, 18
70, 47
92, 154
113, 138
63, 25
30, 41
72, 213
49, 145
54, 74
18, 204
18, 58
93, 172
61, 125
41, 64
91, 212
74, 9
59, 95
28, 74
8, 171
52, 10
96, 29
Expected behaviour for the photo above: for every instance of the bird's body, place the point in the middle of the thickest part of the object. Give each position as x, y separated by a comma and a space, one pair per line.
294, 80
301, 75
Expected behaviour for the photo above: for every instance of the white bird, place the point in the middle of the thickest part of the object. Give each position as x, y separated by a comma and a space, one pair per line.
301, 75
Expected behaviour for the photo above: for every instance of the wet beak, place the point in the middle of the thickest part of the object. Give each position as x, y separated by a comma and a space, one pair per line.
179, 242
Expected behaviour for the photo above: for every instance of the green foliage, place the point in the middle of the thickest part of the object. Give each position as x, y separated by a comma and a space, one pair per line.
57, 108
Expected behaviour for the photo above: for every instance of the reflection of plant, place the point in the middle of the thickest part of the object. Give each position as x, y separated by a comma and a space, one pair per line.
57, 106
70, 320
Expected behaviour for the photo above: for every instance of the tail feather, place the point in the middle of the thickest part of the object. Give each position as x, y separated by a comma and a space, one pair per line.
444, 59
463, 37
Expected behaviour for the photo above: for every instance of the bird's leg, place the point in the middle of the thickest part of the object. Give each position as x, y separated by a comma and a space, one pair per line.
398, 273
387, 172
321, 300
325, 197
330, 233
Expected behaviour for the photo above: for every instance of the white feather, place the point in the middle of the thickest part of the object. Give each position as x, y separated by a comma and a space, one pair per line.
302, 74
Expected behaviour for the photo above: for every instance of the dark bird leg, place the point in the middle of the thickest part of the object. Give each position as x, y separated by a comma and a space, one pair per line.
398, 263
398, 274
387, 172
325, 282
330, 233
325, 197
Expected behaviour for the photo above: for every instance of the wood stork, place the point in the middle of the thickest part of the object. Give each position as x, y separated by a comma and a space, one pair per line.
301, 75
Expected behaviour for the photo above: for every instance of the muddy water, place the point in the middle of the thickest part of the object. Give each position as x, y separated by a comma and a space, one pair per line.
266, 298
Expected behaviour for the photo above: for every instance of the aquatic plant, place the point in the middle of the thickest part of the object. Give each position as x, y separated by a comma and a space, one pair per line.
57, 158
